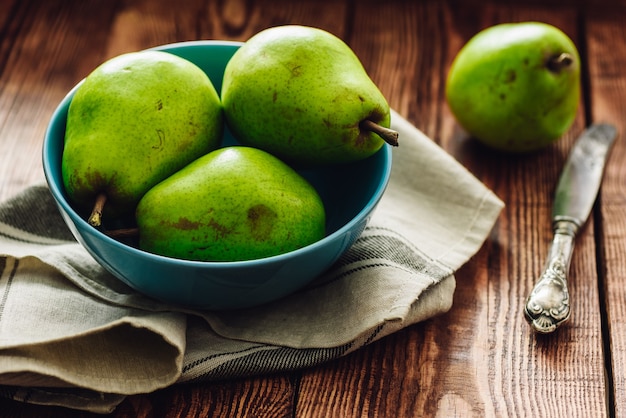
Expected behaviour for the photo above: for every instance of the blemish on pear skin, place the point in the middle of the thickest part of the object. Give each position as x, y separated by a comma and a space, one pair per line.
360, 140
92, 181
510, 76
296, 70
184, 224
161, 136
261, 220
219, 229
184, 145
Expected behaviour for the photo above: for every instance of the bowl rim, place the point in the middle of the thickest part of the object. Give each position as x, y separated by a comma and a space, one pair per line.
198, 42
59, 194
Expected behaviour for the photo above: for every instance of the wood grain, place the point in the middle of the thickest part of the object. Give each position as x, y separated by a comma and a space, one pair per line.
481, 358
606, 37
556, 366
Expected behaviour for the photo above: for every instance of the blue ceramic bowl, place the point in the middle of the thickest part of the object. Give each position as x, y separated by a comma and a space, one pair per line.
350, 194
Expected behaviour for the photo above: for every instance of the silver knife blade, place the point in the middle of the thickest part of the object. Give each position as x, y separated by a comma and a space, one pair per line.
547, 305
580, 180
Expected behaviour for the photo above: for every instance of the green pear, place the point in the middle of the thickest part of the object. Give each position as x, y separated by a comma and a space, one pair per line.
302, 94
235, 203
516, 86
133, 121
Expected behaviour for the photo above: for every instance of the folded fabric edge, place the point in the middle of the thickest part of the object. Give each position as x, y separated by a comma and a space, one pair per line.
247, 360
486, 212
486, 216
20, 364
435, 301
49, 354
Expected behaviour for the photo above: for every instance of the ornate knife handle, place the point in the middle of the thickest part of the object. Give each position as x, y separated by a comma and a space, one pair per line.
547, 306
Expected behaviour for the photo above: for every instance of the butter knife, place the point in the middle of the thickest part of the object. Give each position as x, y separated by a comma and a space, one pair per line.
548, 304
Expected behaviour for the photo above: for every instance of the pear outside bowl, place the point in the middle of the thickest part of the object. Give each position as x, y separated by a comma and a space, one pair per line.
350, 194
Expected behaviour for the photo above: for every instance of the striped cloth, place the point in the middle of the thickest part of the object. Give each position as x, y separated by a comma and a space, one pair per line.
73, 335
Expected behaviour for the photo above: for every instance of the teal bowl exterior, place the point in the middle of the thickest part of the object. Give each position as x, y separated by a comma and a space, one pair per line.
350, 194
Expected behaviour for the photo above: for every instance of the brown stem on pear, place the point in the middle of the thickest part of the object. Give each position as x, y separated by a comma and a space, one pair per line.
559, 62
95, 219
123, 232
389, 135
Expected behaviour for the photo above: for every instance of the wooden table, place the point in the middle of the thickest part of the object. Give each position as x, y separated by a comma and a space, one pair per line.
479, 359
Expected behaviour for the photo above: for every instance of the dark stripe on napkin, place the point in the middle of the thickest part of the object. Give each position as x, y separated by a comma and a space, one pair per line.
34, 211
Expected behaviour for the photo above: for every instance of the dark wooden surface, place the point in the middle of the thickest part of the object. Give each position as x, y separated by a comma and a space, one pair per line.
479, 359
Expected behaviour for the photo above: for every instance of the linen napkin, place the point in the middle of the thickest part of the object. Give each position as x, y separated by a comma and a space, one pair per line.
73, 335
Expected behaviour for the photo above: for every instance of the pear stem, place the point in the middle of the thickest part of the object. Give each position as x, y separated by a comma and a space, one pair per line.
95, 219
559, 62
123, 232
389, 135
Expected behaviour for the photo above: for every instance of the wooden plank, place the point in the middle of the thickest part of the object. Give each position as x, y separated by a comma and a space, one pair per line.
254, 397
606, 45
518, 372
10, 16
